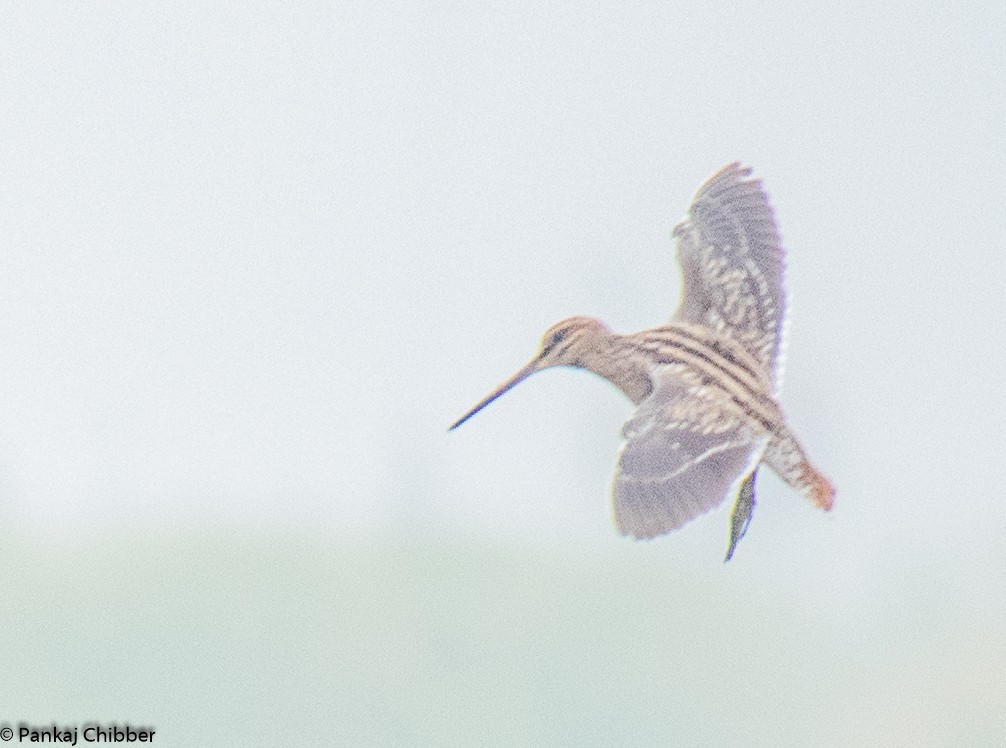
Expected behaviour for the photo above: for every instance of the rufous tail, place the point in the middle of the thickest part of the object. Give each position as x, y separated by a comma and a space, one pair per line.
818, 488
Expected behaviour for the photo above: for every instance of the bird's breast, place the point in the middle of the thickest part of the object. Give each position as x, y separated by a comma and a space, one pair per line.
624, 367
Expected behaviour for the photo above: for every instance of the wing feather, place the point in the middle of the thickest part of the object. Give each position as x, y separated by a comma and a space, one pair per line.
683, 456
732, 265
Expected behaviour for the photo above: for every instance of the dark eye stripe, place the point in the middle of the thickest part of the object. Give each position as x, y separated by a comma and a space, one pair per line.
554, 340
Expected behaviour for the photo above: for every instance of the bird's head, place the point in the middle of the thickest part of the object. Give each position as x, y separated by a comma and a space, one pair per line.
561, 345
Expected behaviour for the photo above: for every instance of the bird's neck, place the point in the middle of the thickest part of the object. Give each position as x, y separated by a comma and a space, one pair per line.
619, 361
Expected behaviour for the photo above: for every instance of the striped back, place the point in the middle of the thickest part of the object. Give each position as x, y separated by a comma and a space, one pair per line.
723, 369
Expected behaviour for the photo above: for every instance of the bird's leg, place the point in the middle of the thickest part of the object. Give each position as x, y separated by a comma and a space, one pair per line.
741, 516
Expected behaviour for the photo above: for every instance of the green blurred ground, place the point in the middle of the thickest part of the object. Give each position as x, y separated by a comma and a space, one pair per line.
278, 640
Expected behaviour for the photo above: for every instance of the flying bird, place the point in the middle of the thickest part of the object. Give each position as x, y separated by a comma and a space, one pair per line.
706, 384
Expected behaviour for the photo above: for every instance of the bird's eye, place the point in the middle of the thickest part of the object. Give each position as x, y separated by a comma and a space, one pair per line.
554, 339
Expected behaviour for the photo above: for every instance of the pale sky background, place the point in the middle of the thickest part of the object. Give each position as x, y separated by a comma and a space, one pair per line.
256, 257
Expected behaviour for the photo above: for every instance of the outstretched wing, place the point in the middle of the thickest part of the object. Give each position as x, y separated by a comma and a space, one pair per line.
732, 265
685, 452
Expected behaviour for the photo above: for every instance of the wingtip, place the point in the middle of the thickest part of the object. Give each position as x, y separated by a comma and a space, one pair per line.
728, 177
637, 532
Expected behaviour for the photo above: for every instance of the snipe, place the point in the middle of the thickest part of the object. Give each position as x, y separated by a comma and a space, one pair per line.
706, 383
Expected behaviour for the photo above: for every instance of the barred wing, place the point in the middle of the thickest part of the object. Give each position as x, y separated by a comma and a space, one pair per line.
732, 265
684, 454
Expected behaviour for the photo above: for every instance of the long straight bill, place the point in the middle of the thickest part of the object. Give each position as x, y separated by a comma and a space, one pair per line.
513, 381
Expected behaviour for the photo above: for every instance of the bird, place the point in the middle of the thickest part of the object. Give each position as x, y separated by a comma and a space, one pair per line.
705, 384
